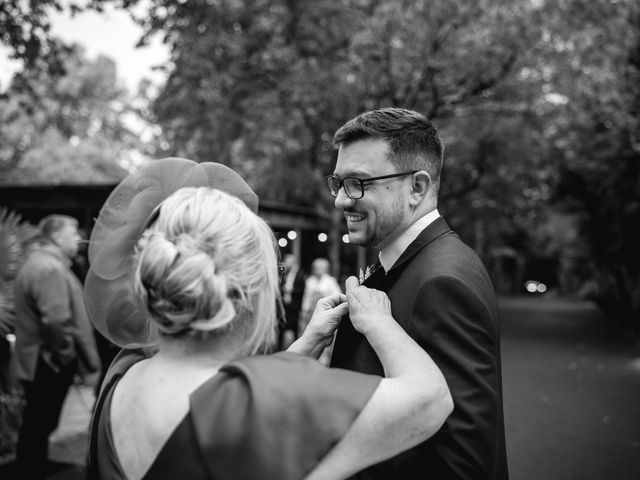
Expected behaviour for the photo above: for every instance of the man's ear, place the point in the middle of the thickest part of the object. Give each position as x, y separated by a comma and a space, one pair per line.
421, 183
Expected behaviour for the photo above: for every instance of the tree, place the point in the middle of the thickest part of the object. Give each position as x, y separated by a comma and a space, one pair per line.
25, 29
595, 139
67, 128
537, 101
262, 86
265, 84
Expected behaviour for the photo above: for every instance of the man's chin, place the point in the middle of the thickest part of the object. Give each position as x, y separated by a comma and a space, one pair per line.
358, 239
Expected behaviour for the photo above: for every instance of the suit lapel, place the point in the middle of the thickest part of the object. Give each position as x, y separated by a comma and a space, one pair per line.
434, 230
351, 349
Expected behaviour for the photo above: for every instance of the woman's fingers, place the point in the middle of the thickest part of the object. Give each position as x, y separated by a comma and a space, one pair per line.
327, 303
361, 297
342, 309
350, 284
365, 305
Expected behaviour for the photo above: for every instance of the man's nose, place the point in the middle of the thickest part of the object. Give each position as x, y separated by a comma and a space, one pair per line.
343, 200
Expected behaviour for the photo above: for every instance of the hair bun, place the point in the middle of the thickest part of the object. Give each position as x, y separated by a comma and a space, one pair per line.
182, 288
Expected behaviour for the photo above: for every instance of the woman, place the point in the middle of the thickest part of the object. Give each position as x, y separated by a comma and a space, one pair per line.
205, 406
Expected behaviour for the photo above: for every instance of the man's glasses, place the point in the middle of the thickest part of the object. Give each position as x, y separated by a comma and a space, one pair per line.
353, 186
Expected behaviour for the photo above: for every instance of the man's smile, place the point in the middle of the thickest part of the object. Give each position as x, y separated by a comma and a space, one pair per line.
353, 217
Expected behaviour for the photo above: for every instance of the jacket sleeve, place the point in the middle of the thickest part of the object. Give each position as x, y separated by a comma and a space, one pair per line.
52, 297
459, 330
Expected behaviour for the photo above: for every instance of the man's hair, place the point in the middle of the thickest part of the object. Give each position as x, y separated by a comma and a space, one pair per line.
52, 224
414, 143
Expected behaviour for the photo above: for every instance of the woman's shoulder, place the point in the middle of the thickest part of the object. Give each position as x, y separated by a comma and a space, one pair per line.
292, 362
125, 359
290, 374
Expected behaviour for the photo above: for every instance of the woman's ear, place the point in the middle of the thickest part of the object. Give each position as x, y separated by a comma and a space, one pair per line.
421, 183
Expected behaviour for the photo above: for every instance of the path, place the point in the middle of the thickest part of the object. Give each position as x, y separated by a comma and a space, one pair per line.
571, 390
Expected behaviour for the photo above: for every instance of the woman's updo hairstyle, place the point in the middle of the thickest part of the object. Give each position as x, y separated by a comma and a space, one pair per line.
207, 265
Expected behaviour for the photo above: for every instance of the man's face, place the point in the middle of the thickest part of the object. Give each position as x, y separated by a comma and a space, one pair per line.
383, 212
68, 239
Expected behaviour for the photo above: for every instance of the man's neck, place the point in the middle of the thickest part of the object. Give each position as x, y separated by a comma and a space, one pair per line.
394, 249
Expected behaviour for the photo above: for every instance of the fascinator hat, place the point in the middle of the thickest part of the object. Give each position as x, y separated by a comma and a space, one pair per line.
130, 209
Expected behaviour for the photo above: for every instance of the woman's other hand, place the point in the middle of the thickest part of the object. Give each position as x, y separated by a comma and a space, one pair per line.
318, 334
326, 317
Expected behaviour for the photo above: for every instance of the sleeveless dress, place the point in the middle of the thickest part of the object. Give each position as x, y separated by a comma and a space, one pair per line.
261, 417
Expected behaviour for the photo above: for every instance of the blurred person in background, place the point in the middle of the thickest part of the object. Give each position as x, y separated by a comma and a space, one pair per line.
386, 182
292, 289
54, 338
319, 284
201, 402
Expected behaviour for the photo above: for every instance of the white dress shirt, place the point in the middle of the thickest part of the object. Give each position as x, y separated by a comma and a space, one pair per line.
391, 253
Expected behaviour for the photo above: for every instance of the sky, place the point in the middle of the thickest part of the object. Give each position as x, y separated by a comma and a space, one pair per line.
111, 33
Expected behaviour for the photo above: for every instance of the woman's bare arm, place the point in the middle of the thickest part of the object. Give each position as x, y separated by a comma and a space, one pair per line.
409, 405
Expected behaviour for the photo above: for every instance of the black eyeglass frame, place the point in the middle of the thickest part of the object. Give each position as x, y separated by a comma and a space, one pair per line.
361, 182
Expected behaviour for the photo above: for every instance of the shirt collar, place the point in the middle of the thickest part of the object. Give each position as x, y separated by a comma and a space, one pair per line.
391, 253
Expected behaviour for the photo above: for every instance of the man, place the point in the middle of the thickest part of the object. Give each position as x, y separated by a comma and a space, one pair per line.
386, 182
53, 338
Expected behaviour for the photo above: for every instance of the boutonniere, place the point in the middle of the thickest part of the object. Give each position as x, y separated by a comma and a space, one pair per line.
362, 276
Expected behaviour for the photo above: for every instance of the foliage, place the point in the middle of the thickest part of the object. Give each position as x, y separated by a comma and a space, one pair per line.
262, 85
25, 26
13, 230
538, 103
10, 245
597, 140
67, 128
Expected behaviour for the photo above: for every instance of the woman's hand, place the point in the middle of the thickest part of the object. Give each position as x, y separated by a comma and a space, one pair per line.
326, 317
319, 332
366, 306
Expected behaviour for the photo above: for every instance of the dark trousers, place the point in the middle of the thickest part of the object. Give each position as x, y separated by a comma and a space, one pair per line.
44, 398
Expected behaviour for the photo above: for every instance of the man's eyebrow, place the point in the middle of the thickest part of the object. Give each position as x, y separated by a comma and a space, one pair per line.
355, 173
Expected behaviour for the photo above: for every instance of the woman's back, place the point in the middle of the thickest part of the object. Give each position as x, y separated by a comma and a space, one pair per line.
259, 417
148, 404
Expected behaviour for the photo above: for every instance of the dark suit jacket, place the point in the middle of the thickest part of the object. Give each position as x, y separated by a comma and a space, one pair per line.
442, 296
51, 319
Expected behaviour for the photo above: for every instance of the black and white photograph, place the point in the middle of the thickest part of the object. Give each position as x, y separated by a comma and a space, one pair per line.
319, 239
